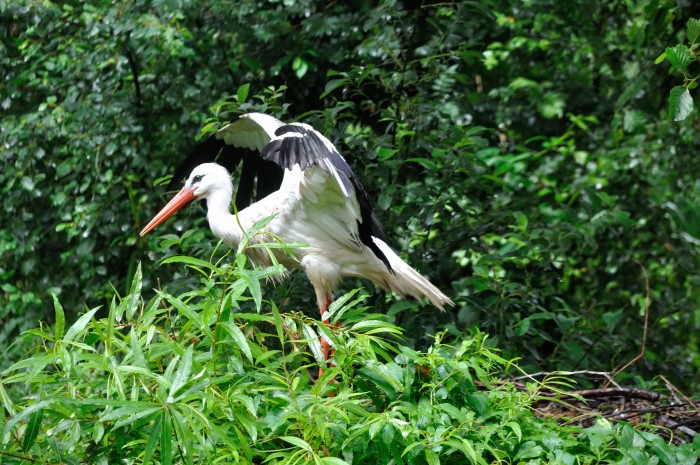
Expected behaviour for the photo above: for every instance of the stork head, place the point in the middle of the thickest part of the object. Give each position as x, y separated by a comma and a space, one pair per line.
205, 180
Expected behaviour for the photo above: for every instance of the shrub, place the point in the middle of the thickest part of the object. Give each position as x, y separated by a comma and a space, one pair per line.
220, 375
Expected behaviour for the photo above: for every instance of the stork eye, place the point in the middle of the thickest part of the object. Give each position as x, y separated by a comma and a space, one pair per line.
197, 178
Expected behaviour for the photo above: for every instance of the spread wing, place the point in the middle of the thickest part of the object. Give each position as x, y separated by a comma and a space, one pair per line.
327, 184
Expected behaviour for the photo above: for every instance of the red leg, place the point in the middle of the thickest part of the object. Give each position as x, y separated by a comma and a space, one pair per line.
325, 345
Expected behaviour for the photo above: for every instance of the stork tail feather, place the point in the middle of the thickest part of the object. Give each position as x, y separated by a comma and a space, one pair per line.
406, 281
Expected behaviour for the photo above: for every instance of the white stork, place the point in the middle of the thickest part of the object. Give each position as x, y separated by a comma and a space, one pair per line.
320, 202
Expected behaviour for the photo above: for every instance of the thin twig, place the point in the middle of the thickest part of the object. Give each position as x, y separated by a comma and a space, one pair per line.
22, 457
618, 391
647, 304
674, 390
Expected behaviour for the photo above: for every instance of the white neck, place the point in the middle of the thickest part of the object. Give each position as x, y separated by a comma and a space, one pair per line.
222, 223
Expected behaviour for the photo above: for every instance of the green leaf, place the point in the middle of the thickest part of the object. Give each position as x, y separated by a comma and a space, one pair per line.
134, 294
385, 153
692, 30
300, 67
297, 442
333, 461
238, 337
166, 443
60, 318
33, 427
382, 377
182, 375
185, 310
253, 284
80, 324
242, 92
522, 220
136, 349
314, 342
467, 448
680, 103
431, 457
153, 438
332, 85
679, 56
529, 450
26, 413
194, 262
429, 165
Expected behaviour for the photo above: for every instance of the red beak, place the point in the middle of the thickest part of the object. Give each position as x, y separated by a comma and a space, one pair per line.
181, 199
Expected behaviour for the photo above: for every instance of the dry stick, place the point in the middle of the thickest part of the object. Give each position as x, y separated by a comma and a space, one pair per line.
623, 392
646, 322
23, 457
674, 390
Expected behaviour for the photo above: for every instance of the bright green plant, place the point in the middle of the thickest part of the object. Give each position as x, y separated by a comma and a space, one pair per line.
220, 375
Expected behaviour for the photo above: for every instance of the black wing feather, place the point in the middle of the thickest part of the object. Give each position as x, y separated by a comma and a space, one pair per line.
309, 149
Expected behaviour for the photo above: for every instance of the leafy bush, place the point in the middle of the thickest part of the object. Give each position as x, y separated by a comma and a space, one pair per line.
520, 154
219, 375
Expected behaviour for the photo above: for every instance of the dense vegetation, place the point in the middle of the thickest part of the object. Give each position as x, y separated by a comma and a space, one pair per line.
526, 156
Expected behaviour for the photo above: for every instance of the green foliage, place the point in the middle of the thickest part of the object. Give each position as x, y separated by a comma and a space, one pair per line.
212, 376
681, 57
520, 155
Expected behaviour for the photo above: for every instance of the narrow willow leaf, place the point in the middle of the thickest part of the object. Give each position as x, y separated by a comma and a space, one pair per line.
279, 325
253, 285
182, 375
136, 349
254, 317
80, 324
261, 223
32, 430
185, 310
26, 413
194, 262
338, 304
680, 103
375, 326
134, 296
238, 337
333, 461
166, 443
182, 432
60, 318
314, 342
149, 414
153, 439
204, 421
297, 442
6, 401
